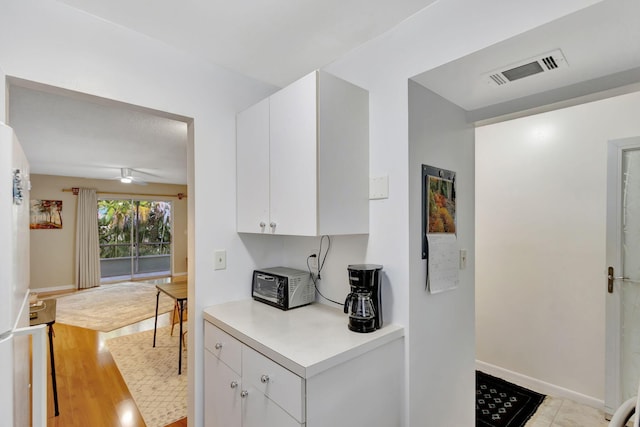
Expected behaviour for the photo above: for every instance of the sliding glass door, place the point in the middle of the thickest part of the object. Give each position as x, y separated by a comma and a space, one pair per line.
135, 238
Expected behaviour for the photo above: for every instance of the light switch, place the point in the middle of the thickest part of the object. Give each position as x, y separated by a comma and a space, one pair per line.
220, 261
379, 187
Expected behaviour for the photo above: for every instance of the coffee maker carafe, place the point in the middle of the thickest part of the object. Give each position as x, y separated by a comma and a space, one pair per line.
363, 302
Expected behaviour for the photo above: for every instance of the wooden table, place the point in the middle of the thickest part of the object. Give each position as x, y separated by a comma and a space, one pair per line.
177, 291
46, 314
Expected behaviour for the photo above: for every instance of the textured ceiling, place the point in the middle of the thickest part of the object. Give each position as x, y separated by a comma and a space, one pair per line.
82, 137
275, 41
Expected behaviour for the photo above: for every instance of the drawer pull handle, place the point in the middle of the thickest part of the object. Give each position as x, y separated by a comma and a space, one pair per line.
264, 379
234, 384
218, 346
244, 393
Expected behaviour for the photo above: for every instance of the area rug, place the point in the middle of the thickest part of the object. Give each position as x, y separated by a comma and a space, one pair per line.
502, 404
151, 374
110, 307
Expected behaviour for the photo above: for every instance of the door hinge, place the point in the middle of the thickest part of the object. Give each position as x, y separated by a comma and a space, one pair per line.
611, 277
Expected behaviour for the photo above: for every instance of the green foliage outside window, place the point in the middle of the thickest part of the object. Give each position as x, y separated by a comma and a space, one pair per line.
145, 223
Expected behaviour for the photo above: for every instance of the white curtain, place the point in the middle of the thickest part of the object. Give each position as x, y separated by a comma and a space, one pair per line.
87, 245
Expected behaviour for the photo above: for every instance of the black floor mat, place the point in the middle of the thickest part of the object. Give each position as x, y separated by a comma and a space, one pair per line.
502, 404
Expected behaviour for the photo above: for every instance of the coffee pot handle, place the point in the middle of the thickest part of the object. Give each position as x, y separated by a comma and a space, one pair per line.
346, 302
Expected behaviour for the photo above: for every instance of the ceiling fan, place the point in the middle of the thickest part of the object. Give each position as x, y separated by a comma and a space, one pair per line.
127, 177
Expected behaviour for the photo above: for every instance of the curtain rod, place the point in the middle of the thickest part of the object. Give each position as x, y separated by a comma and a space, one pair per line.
76, 190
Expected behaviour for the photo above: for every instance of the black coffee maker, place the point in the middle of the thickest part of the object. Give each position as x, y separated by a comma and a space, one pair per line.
364, 303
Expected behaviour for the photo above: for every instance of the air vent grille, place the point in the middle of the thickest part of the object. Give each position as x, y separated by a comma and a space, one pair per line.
550, 62
538, 65
498, 79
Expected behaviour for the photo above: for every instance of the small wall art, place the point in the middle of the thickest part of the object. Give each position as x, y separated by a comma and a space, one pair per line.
439, 238
45, 214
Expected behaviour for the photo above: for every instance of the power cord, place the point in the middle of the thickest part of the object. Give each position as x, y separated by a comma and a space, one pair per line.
320, 265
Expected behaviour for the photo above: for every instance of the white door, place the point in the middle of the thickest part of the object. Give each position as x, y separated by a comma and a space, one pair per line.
622, 279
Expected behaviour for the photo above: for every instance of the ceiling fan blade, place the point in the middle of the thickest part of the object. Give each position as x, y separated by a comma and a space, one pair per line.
138, 181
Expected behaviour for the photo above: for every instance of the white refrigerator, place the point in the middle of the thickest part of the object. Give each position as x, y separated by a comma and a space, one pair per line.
15, 359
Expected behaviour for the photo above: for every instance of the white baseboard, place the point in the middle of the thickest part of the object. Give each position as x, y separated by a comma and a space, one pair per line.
53, 288
538, 385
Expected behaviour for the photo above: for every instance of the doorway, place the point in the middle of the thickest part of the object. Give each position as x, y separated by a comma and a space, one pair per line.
623, 252
135, 238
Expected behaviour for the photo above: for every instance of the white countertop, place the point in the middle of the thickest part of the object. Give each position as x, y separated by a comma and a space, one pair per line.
306, 340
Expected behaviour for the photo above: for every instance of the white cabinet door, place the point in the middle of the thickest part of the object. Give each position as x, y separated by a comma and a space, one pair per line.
252, 173
293, 158
280, 385
259, 411
222, 387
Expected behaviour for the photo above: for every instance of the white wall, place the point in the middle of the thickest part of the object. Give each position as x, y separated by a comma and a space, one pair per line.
51, 43
540, 243
440, 136
3, 99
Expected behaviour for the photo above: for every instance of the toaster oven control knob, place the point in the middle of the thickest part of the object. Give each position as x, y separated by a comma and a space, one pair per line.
264, 379
244, 393
233, 384
218, 345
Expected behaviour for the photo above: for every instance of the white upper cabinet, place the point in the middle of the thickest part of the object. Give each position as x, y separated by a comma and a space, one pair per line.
252, 168
303, 160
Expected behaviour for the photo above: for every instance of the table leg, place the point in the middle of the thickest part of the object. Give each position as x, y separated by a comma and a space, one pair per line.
155, 325
53, 372
180, 339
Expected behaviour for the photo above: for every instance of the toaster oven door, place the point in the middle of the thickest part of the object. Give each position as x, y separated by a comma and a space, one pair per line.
268, 288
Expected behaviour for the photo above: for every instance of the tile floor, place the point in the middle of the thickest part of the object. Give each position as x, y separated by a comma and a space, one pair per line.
556, 412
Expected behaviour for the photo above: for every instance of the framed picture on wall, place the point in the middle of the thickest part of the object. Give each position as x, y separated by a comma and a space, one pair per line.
45, 214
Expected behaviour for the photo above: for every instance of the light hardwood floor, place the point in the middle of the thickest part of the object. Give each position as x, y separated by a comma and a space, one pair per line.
91, 391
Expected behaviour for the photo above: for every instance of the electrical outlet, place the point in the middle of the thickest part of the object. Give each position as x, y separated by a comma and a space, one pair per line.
313, 263
463, 259
220, 259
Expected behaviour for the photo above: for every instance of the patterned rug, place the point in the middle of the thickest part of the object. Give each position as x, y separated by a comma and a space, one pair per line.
151, 374
110, 307
502, 404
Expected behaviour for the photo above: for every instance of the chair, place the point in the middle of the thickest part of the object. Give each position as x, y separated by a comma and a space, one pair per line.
175, 318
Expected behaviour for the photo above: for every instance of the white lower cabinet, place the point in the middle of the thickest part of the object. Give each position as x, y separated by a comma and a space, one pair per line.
325, 375
261, 394
222, 394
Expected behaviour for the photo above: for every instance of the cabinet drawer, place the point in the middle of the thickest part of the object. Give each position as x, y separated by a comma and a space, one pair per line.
282, 386
223, 346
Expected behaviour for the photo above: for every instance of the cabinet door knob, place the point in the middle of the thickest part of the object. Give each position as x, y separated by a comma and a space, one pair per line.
218, 345
264, 379
244, 393
272, 224
233, 384
262, 224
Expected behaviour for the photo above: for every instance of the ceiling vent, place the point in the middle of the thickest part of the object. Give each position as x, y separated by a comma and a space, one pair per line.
526, 68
